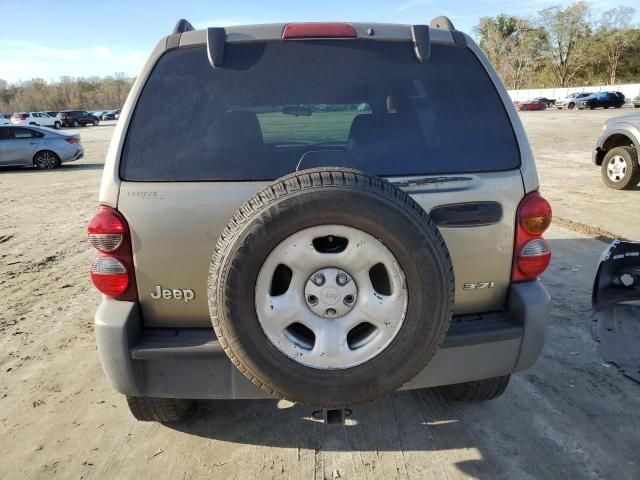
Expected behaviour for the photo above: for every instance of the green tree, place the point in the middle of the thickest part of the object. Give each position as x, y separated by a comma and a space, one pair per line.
614, 36
568, 32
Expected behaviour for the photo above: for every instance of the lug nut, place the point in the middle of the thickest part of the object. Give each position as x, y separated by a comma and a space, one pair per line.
342, 279
318, 279
330, 312
312, 299
348, 299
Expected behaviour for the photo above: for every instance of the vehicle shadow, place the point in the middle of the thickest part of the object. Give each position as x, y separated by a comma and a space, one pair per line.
566, 402
406, 421
81, 166
64, 166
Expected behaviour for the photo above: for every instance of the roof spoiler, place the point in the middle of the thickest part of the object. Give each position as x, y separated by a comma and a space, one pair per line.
445, 23
182, 26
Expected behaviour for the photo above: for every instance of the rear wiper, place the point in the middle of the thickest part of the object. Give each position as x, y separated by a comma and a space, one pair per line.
430, 180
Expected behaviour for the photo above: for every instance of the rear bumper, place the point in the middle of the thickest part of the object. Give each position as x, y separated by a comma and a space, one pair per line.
190, 363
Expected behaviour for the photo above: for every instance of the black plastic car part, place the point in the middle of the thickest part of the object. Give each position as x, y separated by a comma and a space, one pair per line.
421, 42
616, 301
216, 40
182, 26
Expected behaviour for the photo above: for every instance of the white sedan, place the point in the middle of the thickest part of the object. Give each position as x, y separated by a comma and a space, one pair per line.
40, 119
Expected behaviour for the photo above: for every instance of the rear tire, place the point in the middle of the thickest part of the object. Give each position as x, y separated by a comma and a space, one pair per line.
95, 123
478, 391
164, 410
571, 106
46, 160
627, 170
56, 125
76, 124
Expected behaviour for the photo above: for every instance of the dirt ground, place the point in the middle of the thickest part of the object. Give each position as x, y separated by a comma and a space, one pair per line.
571, 416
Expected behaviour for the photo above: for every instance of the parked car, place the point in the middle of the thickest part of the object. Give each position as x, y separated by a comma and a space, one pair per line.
5, 118
111, 115
616, 151
601, 99
330, 286
75, 118
636, 102
531, 105
549, 102
97, 113
41, 148
35, 118
570, 100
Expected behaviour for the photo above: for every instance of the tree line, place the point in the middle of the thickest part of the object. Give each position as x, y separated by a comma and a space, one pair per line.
563, 47
66, 94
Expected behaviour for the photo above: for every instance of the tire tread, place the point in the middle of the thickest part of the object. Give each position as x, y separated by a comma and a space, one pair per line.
476, 391
150, 409
288, 185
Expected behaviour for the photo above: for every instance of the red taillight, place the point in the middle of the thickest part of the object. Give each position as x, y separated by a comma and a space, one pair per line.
534, 214
106, 230
109, 275
532, 253
112, 272
319, 30
73, 139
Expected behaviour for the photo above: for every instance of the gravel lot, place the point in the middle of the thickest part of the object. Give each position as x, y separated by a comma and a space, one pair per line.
571, 416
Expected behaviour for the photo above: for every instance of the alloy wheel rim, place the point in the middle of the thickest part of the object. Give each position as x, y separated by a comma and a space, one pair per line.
343, 320
46, 160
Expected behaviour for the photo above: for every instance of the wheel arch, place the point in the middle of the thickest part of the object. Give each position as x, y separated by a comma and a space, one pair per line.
618, 138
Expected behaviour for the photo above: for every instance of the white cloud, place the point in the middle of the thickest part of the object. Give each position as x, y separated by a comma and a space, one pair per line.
25, 60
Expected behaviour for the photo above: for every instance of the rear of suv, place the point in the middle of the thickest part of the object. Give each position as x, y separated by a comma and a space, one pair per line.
40, 119
76, 118
318, 221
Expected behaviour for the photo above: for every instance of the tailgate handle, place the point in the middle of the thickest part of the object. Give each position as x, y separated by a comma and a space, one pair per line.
471, 214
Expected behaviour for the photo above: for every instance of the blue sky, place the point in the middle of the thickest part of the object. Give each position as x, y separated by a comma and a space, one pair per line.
50, 38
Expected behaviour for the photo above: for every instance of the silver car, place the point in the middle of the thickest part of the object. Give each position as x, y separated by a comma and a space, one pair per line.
40, 147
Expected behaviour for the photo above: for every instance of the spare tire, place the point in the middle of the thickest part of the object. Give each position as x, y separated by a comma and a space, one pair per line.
330, 288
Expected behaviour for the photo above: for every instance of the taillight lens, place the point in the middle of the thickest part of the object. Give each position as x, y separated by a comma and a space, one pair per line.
73, 139
534, 214
532, 253
112, 272
109, 275
534, 258
106, 230
319, 30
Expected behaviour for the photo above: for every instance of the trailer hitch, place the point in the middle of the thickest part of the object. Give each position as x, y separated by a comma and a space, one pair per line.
332, 416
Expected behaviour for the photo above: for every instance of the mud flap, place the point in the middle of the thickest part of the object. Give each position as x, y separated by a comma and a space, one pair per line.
616, 302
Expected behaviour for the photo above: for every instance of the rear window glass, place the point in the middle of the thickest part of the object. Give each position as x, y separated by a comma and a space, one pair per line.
281, 105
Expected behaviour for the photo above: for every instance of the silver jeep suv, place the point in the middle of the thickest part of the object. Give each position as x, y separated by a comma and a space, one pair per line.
321, 212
